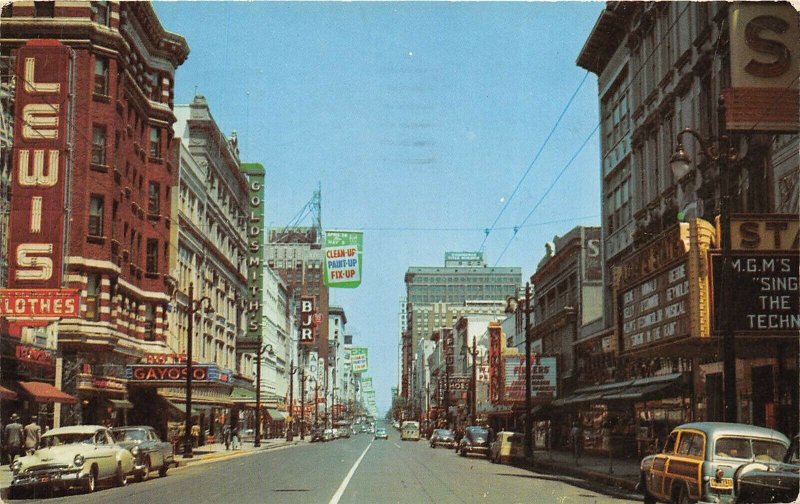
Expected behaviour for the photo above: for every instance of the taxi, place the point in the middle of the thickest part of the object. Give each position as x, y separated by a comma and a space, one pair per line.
700, 459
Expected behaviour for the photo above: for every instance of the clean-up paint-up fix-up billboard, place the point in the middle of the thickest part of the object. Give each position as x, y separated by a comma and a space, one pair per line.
358, 359
343, 258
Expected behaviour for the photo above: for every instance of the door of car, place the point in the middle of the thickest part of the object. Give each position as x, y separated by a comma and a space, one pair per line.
686, 464
659, 467
104, 454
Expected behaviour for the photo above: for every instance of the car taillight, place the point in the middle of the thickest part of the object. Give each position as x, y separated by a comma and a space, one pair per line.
719, 474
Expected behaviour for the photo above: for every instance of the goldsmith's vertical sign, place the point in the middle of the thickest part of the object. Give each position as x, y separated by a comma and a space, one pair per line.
255, 249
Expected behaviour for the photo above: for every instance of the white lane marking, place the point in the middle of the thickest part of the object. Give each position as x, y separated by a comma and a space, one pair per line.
397, 445
343, 486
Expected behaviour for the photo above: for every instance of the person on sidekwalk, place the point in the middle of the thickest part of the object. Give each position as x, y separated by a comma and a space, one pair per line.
33, 435
235, 437
13, 438
195, 435
226, 436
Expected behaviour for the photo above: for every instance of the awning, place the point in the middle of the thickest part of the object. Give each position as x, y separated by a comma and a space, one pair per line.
276, 415
121, 403
178, 409
7, 394
46, 393
239, 395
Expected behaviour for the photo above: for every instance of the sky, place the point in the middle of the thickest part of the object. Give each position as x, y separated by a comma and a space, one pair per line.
423, 123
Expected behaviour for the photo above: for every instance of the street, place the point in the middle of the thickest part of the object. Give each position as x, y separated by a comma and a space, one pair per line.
389, 472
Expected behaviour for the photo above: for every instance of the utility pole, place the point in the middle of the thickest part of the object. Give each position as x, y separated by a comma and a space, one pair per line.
528, 417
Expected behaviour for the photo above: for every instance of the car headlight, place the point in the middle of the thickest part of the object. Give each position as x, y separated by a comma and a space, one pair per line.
15, 467
135, 451
78, 460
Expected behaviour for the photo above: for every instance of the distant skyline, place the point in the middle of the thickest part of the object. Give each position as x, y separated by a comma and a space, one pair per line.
418, 120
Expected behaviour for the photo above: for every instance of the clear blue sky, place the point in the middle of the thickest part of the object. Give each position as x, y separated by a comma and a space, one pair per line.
418, 120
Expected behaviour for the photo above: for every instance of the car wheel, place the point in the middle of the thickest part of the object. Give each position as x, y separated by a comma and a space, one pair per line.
145, 474
162, 471
91, 481
682, 495
120, 478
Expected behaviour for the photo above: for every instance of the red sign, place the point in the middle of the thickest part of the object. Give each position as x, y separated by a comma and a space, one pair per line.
166, 358
39, 303
33, 355
307, 325
40, 154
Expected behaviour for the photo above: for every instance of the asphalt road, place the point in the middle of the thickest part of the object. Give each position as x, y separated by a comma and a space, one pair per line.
347, 471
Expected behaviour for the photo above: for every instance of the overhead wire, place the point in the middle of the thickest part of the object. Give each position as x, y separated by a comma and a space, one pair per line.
622, 92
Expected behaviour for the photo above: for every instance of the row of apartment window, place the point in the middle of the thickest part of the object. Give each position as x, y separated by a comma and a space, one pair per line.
99, 144
554, 299
476, 279
101, 11
93, 282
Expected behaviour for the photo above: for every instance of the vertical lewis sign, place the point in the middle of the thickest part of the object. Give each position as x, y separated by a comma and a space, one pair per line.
36, 232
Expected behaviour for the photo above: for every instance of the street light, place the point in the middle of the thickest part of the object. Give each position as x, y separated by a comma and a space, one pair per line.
266, 348
292, 371
528, 416
193, 307
316, 399
720, 155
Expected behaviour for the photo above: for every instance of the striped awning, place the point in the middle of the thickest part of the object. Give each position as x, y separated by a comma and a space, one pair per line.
46, 393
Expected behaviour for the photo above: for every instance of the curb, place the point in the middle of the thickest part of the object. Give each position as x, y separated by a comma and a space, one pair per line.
596, 476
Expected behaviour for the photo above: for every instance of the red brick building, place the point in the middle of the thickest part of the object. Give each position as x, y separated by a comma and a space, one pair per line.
117, 180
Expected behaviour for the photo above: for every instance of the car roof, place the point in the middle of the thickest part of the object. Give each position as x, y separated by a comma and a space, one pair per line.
132, 427
74, 429
717, 429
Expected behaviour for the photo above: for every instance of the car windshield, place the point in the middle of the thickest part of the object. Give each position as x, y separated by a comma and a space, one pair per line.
66, 439
478, 431
130, 435
761, 450
445, 433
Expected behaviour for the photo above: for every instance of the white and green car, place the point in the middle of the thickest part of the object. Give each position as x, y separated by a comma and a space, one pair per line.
73, 457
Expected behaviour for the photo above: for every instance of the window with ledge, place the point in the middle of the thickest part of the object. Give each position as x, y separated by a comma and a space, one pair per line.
93, 296
154, 199
99, 145
44, 9
101, 76
152, 256
155, 143
96, 216
102, 13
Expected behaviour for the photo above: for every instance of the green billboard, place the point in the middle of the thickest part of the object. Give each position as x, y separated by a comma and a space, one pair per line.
343, 258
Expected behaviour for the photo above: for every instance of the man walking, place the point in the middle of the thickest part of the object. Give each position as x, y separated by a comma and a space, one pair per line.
33, 434
13, 438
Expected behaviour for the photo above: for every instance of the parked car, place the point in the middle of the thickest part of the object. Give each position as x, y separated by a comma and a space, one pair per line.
475, 440
442, 437
149, 452
317, 434
700, 459
72, 457
344, 432
328, 435
507, 447
765, 481
381, 434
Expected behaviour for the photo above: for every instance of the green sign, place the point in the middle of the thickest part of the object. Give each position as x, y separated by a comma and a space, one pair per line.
366, 384
255, 174
343, 258
358, 359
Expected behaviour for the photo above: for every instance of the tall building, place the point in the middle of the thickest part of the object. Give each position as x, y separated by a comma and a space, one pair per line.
438, 296
278, 322
663, 67
102, 77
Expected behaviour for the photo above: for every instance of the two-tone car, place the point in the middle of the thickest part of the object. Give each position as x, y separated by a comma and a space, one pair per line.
80, 457
475, 440
148, 450
699, 461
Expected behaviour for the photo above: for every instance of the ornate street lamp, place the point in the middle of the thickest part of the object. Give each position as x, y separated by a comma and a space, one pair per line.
292, 371
193, 307
528, 416
266, 348
718, 151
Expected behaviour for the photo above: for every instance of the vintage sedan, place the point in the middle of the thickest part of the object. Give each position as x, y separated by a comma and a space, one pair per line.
149, 452
443, 437
73, 457
475, 440
767, 481
699, 461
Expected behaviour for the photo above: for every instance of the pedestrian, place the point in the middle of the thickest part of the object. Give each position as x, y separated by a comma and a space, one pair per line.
235, 437
226, 436
576, 435
33, 435
13, 438
195, 435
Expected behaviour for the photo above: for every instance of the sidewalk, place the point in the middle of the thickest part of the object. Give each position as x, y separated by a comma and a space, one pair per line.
621, 473
201, 454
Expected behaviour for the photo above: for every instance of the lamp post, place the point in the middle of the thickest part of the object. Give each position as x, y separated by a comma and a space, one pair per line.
292, 371
266, 348
720, 155
474, 403
303, 379
316, 400
449, 343
528, 417
193, 307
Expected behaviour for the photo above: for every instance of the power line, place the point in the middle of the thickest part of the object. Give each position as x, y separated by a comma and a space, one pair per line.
467, 229
535, 158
